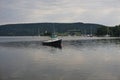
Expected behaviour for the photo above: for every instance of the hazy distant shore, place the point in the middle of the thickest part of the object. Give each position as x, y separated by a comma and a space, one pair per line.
42, 38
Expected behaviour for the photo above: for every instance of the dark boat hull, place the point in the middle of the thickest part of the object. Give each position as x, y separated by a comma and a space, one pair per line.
56, 43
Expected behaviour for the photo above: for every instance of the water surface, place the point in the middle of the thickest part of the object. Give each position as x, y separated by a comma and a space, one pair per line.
94, 59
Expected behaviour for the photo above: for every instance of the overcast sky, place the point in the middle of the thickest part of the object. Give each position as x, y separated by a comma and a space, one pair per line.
106, 12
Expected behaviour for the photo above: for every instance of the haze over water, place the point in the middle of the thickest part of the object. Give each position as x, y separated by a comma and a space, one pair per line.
90, 59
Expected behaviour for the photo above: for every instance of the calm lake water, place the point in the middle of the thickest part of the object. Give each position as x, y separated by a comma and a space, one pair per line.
90, 59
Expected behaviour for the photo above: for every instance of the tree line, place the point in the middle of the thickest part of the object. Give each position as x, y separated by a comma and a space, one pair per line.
111, 31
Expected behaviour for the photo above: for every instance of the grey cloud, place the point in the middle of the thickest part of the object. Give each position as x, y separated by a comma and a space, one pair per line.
95, 11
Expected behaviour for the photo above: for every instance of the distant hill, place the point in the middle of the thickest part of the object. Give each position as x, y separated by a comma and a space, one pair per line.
33, 29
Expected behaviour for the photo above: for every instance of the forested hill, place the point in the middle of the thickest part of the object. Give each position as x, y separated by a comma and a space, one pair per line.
32, 29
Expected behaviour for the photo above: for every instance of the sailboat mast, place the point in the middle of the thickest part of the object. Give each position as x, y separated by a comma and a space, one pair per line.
53, 28
38, 32
91, 33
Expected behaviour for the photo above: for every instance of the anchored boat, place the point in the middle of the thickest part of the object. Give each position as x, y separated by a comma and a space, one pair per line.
54, 41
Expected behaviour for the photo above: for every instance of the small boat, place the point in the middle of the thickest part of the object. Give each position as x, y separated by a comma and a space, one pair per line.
54, 41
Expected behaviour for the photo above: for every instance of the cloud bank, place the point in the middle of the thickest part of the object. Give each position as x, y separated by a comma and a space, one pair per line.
105, 12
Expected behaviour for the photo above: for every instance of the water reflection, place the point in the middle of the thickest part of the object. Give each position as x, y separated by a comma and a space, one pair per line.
79, 60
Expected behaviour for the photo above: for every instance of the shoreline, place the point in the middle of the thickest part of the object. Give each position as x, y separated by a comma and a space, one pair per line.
42, 38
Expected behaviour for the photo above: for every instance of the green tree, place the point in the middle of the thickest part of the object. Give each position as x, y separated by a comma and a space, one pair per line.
102, 31
116, 31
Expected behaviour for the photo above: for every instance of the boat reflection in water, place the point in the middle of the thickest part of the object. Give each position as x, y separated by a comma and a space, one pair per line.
54, 42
